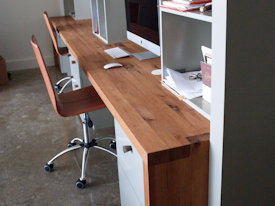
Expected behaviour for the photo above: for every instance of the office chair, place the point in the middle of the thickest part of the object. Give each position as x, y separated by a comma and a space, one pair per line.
61, 51
69, 104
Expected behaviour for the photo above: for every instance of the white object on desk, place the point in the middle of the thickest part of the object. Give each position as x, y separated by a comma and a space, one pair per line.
117, 52
112, 65
156, 72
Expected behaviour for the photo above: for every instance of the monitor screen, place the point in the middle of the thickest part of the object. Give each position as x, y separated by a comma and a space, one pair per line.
142, 19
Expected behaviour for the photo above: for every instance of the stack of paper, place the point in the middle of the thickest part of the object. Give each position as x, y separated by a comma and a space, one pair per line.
183, 84
184, 5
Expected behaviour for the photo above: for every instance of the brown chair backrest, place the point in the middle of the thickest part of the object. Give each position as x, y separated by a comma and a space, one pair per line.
52, 34
45, 73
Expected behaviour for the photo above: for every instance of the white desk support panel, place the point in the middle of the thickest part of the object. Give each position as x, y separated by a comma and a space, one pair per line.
64, 61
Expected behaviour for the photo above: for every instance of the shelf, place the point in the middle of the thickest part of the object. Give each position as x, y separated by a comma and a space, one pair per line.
200, 105
206, 16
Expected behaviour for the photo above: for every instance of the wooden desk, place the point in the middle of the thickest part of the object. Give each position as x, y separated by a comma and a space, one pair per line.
171, 137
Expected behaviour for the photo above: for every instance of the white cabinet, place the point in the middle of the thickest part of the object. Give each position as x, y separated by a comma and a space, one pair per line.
68, 6
128, 196
63, 60
74, 66
109, 20
130, 169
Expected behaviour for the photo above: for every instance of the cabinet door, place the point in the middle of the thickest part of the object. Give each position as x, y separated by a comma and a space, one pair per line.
64, 60
65, 65
130, 163
128, 196
76, 82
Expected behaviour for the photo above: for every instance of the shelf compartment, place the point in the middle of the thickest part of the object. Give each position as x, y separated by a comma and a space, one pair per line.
199, 104
181, 41
205, 16
182, 34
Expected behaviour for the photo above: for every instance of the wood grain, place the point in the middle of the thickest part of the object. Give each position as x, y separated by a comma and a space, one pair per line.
165, 131
182, 181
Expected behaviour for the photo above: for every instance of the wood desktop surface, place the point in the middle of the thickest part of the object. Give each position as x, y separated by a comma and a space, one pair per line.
162, 128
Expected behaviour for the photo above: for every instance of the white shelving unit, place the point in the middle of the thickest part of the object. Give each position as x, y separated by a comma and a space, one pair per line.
181, 36
68, 6
109, 20
241, 125
78, 9
82, 9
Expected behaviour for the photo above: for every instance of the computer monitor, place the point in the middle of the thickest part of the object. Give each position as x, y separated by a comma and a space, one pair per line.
142, 26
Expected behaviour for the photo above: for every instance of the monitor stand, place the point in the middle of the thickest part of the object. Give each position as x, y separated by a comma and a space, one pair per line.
144, 55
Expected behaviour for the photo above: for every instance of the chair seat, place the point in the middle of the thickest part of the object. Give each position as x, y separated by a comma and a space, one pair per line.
78, 102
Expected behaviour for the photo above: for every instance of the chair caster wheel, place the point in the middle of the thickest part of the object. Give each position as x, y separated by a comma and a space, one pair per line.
80, 184
112, 144
57, 87
48, 167
90, 123
70, 144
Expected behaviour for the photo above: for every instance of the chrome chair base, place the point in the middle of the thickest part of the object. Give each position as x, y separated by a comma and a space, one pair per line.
86, 145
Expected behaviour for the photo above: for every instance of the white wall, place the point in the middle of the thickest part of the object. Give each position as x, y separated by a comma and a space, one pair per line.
249, 122
242, 109
18, 21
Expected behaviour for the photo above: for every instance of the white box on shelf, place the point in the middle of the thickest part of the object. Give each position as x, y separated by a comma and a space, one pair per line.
206, 93
206, 80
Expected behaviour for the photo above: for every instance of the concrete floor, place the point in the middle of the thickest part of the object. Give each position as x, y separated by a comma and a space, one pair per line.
31, 134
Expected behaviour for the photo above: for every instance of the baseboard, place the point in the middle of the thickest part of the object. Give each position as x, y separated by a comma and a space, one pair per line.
28, 63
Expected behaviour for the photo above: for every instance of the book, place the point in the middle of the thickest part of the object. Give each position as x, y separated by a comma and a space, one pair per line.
184, 5
179, 6
185, 10
194, 2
